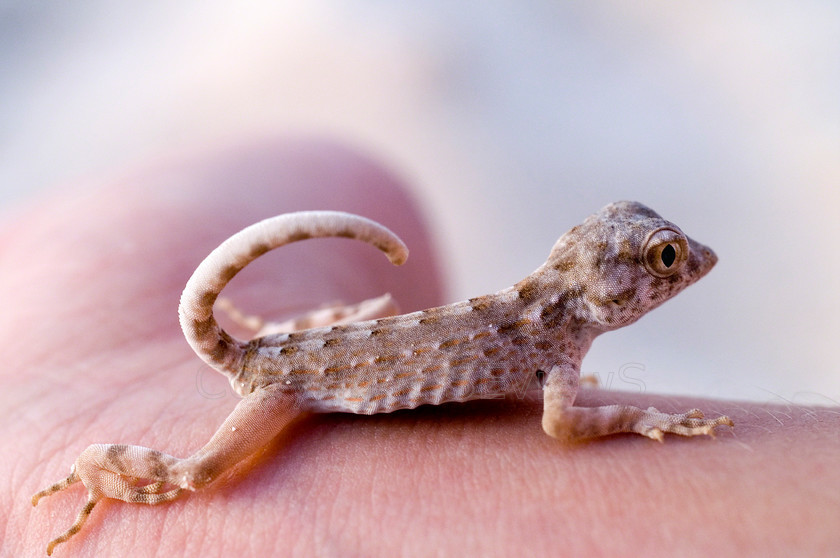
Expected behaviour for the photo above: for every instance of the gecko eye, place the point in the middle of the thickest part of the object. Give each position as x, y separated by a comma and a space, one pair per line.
664, 252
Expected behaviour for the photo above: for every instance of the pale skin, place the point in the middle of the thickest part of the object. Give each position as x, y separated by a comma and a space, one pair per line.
536, 476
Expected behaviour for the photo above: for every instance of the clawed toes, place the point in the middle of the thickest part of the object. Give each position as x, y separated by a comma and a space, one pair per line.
655, 434
154, 493
690, 423
696, 424
153, 488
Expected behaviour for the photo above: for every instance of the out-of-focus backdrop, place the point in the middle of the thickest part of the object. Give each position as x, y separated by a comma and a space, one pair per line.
513, 120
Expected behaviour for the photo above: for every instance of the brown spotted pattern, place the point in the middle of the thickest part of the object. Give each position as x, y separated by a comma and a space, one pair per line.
594, 281
603, 274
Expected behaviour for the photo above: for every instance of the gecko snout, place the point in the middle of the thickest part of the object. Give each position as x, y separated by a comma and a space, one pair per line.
701, 259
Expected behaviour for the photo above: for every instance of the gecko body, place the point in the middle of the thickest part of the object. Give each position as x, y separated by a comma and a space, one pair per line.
603, 274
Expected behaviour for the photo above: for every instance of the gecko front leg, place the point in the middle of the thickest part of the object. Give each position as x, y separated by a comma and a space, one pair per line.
137, 474
562, 420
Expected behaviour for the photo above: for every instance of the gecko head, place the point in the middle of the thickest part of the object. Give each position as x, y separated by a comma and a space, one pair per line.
624, 261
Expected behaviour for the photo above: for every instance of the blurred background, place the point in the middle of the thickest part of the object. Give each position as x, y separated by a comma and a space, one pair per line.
512, 120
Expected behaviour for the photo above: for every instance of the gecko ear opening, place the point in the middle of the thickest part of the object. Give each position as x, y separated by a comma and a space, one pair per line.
664, 252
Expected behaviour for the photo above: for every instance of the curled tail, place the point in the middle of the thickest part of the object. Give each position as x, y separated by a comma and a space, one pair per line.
211, 342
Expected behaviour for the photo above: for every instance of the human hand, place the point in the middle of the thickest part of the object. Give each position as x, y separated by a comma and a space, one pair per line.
94, 354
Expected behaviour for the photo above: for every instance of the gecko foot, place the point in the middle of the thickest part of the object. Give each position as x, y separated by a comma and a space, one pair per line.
654, 424
105, 473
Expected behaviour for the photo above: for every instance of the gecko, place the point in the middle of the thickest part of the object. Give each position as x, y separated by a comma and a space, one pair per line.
603, 274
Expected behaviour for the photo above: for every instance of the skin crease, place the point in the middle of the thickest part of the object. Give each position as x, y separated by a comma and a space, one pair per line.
94, 354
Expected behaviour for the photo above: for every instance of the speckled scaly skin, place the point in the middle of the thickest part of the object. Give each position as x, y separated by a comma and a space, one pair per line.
603, 274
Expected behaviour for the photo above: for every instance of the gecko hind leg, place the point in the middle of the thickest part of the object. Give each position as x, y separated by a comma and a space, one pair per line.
335, 314
142, 475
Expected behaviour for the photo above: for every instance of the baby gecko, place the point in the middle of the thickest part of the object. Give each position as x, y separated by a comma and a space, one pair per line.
603, 274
